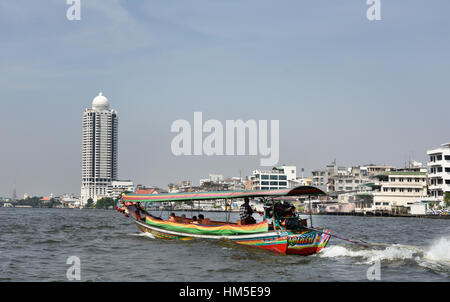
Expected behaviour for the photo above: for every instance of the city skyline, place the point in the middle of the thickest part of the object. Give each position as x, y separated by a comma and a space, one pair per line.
342, 87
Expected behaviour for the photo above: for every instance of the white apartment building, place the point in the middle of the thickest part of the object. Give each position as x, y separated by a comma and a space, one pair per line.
372, 170
400, 188
118, 187
439, 171
99, 149
277, 178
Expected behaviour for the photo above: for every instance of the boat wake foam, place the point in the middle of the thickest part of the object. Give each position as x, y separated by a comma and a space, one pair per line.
148, 235
435, 257
389, 253
439, 250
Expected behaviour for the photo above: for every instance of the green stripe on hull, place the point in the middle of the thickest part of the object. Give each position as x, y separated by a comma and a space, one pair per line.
205, 230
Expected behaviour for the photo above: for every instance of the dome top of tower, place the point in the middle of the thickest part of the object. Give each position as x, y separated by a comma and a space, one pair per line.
100, 102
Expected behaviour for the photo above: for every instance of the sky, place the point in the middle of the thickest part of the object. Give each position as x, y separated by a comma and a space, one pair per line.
341, 86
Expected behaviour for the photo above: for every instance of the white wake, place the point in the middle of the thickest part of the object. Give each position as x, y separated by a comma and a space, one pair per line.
436, 256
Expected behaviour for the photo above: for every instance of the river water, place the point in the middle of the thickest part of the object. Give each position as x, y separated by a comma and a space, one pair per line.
36, 243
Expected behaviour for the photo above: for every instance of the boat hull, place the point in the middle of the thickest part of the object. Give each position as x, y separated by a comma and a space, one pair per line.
282, 242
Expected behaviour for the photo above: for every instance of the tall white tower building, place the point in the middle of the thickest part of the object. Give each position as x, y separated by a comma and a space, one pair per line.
99, 151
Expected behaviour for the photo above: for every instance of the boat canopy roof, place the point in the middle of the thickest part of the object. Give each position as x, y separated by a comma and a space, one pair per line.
297, 191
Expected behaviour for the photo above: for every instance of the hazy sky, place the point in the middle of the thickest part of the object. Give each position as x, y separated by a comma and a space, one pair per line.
341, 86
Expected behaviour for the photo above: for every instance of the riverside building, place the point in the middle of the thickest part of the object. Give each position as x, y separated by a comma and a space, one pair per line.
99, 150
439, 171
394, 191
277, 178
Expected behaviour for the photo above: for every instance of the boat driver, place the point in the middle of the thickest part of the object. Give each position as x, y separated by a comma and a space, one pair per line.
246, 213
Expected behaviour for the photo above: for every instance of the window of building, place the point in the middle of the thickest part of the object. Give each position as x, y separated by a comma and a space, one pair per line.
447, 157
392, 189
264, 176
385, 203
283, 177
439, 157
273, 177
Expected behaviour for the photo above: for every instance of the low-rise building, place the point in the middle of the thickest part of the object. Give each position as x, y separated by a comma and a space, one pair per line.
301, 181
117, 187
69, 201
373, 170
277, 178
393, 190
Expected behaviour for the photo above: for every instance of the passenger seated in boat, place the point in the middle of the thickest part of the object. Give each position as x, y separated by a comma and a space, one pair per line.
246, 213
201, 218
194, 220
291, 221
172, 217
183, 219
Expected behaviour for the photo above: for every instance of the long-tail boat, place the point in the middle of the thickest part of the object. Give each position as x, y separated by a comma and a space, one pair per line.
287, 233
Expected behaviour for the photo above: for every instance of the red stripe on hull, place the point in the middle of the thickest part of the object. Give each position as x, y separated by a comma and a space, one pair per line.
304, 251
278, 248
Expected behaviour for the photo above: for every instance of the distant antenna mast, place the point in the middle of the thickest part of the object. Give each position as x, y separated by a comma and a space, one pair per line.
14, 196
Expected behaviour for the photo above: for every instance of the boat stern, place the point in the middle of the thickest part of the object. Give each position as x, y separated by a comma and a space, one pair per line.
307, 242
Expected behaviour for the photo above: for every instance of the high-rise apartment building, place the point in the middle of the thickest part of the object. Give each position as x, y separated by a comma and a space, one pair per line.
99, 150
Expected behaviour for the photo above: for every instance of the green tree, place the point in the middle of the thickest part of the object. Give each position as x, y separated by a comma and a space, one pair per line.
104, 203
447, 199
32, 201
90, 203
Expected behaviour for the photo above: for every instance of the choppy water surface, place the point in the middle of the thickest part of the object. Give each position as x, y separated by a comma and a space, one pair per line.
35, 245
